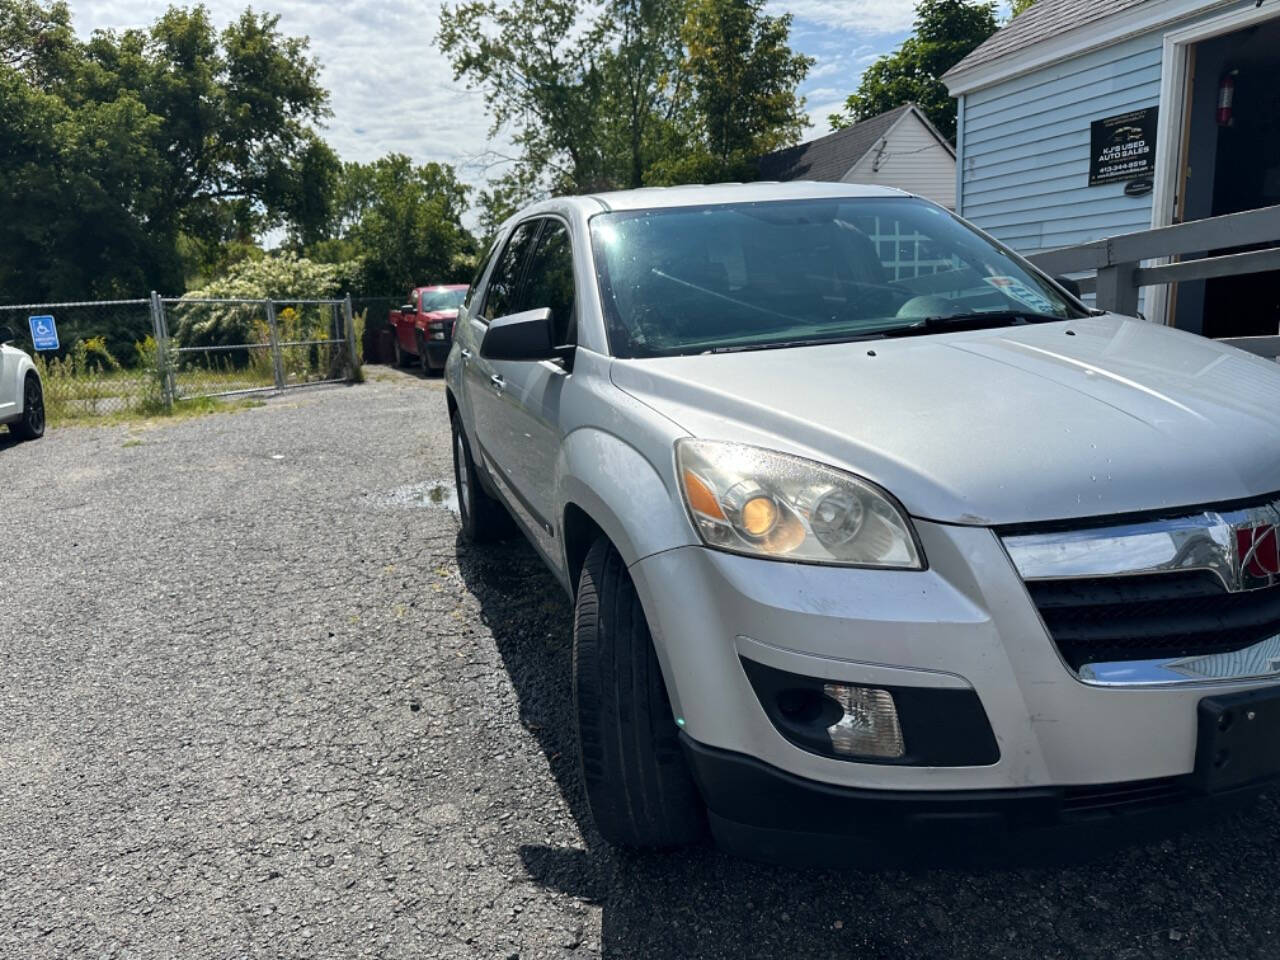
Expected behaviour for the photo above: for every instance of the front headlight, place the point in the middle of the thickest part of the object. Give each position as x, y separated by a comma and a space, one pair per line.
750, 500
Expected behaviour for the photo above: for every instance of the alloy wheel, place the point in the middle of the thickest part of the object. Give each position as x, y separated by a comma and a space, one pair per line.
33, 404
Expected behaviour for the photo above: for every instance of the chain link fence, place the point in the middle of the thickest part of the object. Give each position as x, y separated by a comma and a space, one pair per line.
372, 322
144, 355
219, 348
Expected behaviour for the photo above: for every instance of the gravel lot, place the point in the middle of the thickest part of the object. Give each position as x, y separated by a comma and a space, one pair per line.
257, 700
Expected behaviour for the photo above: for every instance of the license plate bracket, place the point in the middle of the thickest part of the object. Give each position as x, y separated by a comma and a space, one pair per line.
1238, 744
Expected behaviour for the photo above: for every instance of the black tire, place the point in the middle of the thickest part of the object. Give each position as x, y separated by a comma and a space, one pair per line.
421, 353
638, 784
31, 426
483, 518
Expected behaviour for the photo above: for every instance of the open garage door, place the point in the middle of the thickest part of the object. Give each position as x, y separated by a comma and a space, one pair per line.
1231, 163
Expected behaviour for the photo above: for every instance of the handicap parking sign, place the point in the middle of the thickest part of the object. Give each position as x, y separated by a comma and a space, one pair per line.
44, 333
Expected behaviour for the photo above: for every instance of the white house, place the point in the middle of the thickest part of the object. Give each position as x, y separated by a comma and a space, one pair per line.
900, 148
1085, 119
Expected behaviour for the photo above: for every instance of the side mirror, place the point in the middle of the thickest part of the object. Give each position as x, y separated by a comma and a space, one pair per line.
1071, 286
408, 308
520, 336
6, 335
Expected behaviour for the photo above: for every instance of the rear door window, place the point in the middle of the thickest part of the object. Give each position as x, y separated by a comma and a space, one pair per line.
504, 286
549, 281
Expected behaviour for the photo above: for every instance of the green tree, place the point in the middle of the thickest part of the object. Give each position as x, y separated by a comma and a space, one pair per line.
130, 158
538, 77
402, 222
946, 31
1018, 6
642, 86
629, 93
503, 197
742, 77
35, 39
237, 110
66, 165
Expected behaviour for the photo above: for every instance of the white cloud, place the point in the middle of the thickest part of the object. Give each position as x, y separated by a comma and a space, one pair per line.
864, 16
841, 58
392, 90
390, 87
827, 68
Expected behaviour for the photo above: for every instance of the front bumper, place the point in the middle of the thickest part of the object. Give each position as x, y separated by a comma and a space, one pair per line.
967, 624
438, 352
759, 812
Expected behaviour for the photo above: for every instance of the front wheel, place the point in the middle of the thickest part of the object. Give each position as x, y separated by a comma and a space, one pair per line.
638, 784
31, 426
422, 354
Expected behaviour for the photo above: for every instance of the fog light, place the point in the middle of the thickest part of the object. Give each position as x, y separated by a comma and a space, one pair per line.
438, 335
869, 726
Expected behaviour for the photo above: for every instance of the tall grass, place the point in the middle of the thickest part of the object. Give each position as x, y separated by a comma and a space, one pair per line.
89, 382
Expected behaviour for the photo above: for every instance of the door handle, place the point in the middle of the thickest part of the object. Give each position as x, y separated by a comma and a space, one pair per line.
497, 381
466, 354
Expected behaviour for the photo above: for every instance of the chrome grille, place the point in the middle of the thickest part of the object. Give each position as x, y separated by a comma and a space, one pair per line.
1174, 598
1162, 616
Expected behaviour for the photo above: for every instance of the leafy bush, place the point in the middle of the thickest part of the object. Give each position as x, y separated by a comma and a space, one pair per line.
279, 277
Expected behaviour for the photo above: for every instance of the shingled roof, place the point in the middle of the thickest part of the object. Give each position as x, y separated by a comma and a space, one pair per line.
831, 157
1042, 20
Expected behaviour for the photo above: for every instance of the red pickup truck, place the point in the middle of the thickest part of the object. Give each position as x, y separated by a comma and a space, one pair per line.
424, 325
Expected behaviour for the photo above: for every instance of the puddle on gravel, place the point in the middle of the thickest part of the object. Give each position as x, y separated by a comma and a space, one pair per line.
433, 494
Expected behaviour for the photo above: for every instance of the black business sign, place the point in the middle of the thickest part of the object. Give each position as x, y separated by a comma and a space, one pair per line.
1123, 147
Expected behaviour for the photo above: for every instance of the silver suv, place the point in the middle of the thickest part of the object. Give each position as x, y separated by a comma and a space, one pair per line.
872, 529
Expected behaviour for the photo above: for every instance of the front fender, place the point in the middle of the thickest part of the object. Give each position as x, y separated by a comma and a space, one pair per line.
629, 498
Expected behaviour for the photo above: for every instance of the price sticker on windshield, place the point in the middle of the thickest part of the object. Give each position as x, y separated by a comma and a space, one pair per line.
1015, 288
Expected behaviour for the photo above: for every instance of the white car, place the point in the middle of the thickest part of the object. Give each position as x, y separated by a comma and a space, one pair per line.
21, 393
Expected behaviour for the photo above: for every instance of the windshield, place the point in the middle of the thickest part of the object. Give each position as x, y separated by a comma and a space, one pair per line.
751, 275
442, 300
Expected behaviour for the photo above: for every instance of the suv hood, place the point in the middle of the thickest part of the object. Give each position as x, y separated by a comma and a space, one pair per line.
1013, 425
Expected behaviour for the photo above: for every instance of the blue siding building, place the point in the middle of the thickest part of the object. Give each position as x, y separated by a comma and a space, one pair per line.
1067, 84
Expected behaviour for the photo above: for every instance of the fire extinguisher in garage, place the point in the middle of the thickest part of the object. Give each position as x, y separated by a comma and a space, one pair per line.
1226, 97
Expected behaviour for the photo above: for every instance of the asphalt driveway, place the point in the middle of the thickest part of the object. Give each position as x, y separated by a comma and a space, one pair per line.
256, 699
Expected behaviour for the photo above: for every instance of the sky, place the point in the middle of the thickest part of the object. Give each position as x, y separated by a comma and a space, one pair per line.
392, 90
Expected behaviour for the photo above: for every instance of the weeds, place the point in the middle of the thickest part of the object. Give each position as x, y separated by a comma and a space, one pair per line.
90, 382
82, 383
182, 410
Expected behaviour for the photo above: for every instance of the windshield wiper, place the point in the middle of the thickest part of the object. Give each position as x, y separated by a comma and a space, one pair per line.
788, 344
916, 328
969, 321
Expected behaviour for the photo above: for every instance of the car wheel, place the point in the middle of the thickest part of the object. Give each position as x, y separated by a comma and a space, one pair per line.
483, 518
637, 782
31, 426
422, 354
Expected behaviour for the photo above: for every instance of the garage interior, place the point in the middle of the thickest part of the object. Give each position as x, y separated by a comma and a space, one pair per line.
1231, 163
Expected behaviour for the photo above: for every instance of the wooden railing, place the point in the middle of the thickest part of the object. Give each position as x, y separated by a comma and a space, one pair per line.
1117, 261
